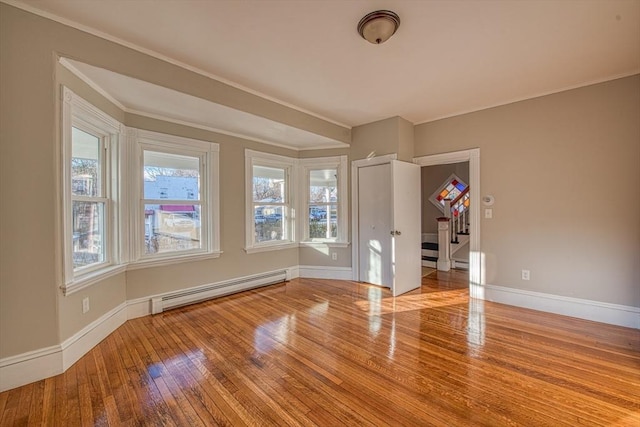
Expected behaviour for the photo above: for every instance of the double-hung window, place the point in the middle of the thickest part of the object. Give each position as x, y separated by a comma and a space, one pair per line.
90, 196
177, 215
270, 204
324, 213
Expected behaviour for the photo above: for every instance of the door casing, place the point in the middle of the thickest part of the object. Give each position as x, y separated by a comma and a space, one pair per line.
476, 261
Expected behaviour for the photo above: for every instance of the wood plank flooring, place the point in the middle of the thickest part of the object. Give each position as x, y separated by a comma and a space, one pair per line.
338, 353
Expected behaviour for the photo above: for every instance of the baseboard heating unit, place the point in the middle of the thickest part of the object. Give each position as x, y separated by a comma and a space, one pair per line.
201, 293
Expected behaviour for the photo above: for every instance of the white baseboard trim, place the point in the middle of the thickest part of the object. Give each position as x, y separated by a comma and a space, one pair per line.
88, 337
321, 272
138, 307
613, 314
293, 272
28, 367
37, 365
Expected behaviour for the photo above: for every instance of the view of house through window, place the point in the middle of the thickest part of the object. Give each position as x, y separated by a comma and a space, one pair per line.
88, 199
269, 203
323, 204
172, 202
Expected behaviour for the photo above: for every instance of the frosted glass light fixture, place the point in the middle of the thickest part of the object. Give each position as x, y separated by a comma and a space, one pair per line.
377, 27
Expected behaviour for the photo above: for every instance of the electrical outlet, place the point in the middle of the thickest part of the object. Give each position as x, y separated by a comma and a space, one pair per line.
85, 305
526, 274
334, 256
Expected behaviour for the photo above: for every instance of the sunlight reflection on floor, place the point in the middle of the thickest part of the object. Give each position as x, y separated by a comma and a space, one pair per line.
414, 302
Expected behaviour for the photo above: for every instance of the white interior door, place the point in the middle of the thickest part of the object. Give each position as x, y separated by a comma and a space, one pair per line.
407, 228
374, 224
389, 232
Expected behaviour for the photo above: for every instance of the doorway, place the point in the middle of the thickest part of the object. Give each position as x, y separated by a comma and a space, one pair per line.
438, 184
475, 256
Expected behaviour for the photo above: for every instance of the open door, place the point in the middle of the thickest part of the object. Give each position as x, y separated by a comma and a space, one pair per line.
389, 227
406, 211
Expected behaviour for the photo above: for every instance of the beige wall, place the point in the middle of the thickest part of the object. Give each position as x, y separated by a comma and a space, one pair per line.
103, 296
375, 139
28, 265
432, 178
389, 136
559, 167
405, 140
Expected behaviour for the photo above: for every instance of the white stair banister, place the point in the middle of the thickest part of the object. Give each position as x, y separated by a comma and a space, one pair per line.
452, 225
457, 210
444, 244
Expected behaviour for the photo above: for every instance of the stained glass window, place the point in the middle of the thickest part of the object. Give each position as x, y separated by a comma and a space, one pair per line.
451, 189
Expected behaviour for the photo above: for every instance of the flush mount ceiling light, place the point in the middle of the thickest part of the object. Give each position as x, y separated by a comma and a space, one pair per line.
376, 27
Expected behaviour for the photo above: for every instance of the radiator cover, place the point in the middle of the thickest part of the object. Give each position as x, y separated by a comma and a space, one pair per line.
213, 290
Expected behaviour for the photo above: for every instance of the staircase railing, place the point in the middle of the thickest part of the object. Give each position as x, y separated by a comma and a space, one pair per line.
458, 210
454, 222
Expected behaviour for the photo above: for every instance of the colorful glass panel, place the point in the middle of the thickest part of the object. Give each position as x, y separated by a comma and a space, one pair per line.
451, 190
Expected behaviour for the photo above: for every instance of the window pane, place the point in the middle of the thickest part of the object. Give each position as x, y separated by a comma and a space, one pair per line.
268, 184
171, 176
323, 186
171, 228
88, 233
85, 164
321, 225
269, 224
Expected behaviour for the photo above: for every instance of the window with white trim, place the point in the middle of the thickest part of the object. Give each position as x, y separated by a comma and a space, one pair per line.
270, 186
177, 213
324, 212
90, 155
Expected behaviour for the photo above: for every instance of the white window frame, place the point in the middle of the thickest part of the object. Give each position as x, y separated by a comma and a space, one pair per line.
339, 163
289, 164
76, 112
208, 153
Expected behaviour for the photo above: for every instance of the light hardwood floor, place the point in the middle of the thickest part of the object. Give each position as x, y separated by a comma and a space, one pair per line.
336, 353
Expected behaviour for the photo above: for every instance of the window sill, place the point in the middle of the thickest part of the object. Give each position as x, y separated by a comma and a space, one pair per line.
328, 244
89, 279
271, 247
159, 262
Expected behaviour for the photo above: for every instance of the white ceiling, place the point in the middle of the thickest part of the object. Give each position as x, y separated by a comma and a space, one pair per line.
447, 58
136, 96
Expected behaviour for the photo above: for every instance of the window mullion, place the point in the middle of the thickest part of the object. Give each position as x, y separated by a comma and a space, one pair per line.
90, 199
173, 201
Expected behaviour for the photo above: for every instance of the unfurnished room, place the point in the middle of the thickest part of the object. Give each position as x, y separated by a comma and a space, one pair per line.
320, 212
